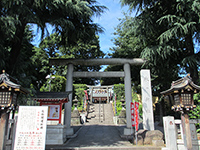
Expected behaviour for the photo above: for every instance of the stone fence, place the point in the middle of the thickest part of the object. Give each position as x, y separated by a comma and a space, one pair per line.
174, 134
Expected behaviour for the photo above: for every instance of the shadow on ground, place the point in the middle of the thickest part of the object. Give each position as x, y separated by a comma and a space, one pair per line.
94, 136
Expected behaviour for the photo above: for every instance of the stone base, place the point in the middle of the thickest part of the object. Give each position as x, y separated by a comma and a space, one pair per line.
75, 121
75, 117
158, 143
115, 118
55, 134
122, 117
121, 121
154, 138
128, 131
69, 132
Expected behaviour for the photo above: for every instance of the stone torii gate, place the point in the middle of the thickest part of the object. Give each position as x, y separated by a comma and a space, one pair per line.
91, 88
126, 74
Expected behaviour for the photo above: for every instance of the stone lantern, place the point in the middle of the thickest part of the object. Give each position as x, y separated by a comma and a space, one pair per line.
122, 116
75, 102
123, 102
182, 92
75, 115
9, 91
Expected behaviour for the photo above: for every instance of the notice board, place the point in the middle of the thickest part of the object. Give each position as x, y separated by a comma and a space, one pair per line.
31, 128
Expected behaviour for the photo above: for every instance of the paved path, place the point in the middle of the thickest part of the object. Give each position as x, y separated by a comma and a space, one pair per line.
98, 136
98, 133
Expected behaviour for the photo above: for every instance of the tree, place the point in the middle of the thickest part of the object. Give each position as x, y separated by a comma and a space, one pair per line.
50, 47
57, 84
167, 30
126, 46
70, 19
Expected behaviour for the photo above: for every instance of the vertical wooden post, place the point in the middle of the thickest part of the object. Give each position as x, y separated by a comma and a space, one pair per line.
3, 130
186, 131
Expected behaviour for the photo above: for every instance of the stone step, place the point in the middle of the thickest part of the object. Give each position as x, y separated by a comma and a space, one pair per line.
100, 113
110, 148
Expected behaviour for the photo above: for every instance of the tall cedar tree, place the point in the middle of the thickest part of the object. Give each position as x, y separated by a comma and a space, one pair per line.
70, 19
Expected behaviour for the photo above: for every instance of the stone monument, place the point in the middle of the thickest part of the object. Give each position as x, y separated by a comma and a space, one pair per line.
148, 120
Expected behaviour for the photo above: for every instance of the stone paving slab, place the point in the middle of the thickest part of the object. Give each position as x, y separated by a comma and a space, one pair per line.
95, 135
99, 137
110, 148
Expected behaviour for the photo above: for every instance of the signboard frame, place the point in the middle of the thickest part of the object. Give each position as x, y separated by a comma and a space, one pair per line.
31, 128
52, 109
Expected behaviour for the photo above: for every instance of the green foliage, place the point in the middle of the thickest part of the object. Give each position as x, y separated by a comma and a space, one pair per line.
50, 47
195, 114
57, 84
140, 110
71, 20
163, 33
119, 107
119, 91
134, 96
79, 92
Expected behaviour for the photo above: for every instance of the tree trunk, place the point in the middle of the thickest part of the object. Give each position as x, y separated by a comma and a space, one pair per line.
16, 47
190, 52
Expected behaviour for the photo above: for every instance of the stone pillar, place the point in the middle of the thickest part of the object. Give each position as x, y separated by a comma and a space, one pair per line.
170, 133
195, 144
128, 98
147, 107
67, 113
107, 89
91, 95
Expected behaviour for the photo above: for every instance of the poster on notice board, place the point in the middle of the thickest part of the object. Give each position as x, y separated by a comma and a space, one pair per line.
31, 128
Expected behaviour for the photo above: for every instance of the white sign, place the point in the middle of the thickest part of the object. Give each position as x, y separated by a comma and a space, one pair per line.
100, 93
31, 128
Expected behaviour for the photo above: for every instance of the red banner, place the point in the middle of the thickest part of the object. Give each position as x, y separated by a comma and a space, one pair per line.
135, 115
86, 94
132, 114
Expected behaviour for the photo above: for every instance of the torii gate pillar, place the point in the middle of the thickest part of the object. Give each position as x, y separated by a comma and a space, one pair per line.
69, 87
128, 98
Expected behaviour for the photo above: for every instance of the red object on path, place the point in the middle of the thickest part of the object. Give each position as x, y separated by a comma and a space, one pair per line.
132, 114
135, 114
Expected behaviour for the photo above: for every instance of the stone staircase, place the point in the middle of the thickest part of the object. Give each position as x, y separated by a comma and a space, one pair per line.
100, 114
99, 133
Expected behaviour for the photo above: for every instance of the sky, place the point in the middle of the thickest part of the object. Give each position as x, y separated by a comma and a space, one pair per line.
108, 20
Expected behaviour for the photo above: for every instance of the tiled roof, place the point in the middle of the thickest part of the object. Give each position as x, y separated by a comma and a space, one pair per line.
61, 97
182, 83
6, 80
